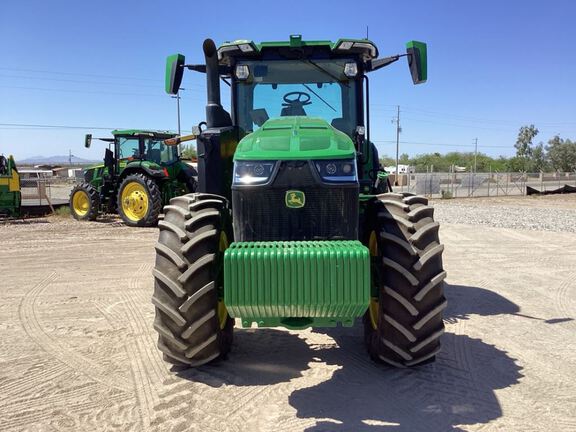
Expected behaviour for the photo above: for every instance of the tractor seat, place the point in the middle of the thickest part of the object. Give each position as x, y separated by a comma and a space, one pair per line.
154, 155
292, 110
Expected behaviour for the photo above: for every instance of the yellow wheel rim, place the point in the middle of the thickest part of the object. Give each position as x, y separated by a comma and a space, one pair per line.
81, 203
134, 201
374, 306
222, 311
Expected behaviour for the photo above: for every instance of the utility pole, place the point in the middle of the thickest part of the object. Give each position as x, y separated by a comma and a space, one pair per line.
475, 153
70, 157
398, 130
177, 97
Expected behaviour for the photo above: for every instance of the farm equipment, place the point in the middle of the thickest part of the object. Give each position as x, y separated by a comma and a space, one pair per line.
141, 174
10, 195
293, 223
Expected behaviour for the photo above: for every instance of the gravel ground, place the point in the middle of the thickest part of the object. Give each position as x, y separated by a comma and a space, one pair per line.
78, 349
544, 213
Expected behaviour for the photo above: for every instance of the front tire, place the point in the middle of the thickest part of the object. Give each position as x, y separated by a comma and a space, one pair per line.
139, 201
404, 322
84, 202
193, 325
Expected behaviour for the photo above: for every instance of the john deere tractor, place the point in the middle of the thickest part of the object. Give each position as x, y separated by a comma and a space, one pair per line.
141, 174
291, 224
10, 195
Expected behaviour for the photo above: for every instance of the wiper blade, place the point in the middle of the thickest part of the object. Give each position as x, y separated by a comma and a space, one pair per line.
320, 68
319, 97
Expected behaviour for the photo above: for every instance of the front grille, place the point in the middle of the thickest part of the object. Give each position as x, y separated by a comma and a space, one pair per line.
330, 211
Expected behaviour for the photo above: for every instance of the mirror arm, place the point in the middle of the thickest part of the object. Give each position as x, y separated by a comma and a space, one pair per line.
198, 68
373, 65
222, 70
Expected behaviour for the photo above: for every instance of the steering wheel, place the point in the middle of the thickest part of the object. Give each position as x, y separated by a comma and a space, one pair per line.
302, 98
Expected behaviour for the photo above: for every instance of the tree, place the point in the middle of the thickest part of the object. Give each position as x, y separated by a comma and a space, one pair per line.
404, 159
562, 154
188, 151
539, 159
387, 161
524, 141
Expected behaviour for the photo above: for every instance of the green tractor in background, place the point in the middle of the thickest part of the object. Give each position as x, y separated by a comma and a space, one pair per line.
140, 175
292, 224
10, 195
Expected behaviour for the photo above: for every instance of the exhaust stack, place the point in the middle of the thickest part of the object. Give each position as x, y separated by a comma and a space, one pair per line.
216, 116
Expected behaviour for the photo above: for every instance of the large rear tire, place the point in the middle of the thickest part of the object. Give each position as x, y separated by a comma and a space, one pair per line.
84, 202
139, 201
193, 325
404, 322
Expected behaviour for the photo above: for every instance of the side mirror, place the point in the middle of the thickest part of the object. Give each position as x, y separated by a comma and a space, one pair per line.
417, 61
87, 140
174, 72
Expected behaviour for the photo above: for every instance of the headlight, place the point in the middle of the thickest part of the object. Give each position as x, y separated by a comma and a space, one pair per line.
341, 170
351, 69
242, 72
253, 172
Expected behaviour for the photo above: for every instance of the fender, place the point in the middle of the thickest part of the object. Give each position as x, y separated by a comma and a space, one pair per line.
151, 169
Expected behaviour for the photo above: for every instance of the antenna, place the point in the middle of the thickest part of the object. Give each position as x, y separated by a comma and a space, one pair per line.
367, 31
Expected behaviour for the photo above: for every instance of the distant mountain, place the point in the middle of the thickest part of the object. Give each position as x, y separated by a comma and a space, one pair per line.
54, 160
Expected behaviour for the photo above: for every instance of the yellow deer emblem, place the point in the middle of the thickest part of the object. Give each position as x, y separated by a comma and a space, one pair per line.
295, 199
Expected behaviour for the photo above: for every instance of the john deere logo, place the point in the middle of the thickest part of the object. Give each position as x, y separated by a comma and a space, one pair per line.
295, 199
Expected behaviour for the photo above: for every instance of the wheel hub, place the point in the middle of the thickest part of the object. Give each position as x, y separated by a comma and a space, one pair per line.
81, 203
134, 201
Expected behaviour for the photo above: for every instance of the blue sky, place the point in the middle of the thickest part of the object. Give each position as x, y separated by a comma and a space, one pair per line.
493, 67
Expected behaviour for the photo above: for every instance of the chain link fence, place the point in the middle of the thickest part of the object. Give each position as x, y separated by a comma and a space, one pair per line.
45, 191
50, 191
462, 185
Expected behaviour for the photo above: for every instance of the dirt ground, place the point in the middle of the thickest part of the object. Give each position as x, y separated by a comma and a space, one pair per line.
561, 201
77, 348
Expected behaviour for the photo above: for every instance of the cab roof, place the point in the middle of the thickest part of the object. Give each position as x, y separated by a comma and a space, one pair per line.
364, 49
136, 132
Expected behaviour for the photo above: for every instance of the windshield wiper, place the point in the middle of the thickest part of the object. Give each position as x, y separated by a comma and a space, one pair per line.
319, 97
317, 66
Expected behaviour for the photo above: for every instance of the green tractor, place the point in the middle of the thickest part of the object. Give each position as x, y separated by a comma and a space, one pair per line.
293, 224
140, 175
10, 195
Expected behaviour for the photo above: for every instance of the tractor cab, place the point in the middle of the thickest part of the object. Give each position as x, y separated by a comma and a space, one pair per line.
317, 81
144, 145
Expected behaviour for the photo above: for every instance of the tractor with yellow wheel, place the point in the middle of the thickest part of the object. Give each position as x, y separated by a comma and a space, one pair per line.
141, 172
10, 196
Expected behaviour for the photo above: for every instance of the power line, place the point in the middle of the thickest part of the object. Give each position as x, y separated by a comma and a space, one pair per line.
458, 117
48, 126
439, 144
78, 81
91, 92
458, 125
89, 82
79, 74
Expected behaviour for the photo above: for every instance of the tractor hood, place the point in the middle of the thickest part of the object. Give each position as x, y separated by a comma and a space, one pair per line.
295, 137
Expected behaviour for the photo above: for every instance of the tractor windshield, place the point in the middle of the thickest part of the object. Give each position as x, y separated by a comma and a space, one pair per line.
282, 88
151, 149
157, 151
